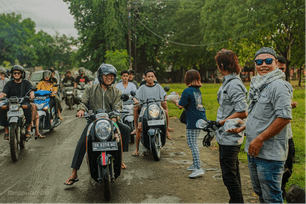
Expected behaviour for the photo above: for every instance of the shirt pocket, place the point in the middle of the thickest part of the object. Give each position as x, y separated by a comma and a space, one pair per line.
225, 99
264, 109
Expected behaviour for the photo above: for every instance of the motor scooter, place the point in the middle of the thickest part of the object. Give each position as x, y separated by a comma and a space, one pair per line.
103, 148
154, 125
17, 123
127, 116
80, 91
69, 95
42, 99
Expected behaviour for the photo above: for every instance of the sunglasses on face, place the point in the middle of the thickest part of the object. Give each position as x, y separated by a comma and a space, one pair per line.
15, 73
267, 61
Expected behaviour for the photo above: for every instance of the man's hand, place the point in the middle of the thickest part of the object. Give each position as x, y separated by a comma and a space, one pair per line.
236, 130
80, 113
293, 104
32, 95
254, 147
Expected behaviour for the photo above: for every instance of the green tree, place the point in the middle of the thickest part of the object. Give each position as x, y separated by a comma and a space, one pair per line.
117, 58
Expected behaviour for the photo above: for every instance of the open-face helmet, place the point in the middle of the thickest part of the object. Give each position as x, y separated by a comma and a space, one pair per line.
81, 71
17, 68
106, 69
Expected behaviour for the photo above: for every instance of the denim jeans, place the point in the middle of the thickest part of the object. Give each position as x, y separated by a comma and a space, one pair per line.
230, 171
266, 177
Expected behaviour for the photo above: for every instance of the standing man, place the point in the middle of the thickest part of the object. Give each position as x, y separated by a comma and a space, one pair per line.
291, 153
269, 113
131, 77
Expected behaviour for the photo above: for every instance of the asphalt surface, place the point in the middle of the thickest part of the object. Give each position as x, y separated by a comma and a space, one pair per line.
44, 165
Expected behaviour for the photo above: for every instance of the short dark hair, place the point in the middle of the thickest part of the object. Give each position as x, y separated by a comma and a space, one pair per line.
124, 72
149, 70
229, 60
131, 72
281, 59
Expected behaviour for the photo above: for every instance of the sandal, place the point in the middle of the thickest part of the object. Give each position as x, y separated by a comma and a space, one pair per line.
123, 166
6, 136
170, 129
29, 134
40, 136
135, 154
72, 180
61, 118
169, 137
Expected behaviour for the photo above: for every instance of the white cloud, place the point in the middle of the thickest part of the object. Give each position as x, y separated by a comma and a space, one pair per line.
48, 15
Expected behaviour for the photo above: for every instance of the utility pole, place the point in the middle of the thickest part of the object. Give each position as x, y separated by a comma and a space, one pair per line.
135, 39
129, 24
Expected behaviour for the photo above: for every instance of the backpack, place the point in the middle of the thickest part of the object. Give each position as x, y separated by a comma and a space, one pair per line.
295, 194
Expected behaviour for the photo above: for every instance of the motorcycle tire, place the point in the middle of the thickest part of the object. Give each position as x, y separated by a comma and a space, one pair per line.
107, 183
155, 149
22, 138
14, 141
70, 104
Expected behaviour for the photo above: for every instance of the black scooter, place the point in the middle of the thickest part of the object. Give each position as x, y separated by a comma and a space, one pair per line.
103, 148
154, 125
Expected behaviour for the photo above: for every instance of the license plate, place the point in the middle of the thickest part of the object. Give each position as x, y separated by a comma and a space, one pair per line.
105, 146
12, 114
156, 122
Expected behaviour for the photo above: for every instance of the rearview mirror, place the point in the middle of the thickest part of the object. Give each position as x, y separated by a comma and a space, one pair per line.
167, 88
133, 93
124, 97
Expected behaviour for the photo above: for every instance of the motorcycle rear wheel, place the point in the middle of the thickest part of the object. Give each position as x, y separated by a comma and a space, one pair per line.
155, 149
107, 184
14, 141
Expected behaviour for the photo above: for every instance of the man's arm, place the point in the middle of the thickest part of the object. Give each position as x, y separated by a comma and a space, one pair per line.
276, 127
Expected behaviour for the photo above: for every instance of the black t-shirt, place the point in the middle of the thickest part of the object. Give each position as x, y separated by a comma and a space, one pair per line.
68, 80
12, 88
54, 80
82, 79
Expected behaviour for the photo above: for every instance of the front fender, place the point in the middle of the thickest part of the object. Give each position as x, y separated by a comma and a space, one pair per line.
152, 132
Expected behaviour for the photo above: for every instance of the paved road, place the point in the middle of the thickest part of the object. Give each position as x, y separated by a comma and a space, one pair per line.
44, 166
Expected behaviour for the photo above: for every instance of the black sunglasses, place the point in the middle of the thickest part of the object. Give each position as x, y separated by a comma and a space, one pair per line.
14, 73
267, 61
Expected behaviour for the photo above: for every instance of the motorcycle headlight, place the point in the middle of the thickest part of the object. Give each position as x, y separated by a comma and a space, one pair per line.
14, 107
103, 130
69, 92
40, 106
154, 111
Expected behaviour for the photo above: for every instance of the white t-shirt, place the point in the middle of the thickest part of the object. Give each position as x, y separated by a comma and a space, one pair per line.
131, 87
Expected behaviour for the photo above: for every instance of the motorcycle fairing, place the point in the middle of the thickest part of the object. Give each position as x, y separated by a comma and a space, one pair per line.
13, 120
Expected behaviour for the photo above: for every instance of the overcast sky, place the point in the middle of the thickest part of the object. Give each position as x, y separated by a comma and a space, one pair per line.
49, 15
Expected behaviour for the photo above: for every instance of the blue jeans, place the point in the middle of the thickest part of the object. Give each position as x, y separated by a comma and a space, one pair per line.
266, 177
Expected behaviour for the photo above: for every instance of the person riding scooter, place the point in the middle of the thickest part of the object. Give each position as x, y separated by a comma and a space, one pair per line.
47, 85
17, 87
81, 78
148, 90
99, 96
68, 81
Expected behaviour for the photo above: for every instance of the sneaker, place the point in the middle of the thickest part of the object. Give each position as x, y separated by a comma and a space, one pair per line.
196, 173
191, 168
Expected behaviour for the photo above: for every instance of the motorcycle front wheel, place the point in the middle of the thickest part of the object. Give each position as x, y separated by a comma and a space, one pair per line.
14, 141
107, 183
155, 147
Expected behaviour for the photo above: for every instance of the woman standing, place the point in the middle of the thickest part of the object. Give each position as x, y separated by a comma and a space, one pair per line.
191, 101
233, 104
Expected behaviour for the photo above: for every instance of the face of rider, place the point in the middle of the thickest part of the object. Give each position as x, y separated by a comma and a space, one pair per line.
2, 76
265, 68
131, 76
68, 75
17, 75
108, 79
150, 76
46, 78
125, 77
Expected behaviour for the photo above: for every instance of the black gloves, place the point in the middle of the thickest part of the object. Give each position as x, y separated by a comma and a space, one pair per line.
212, 126
208, 138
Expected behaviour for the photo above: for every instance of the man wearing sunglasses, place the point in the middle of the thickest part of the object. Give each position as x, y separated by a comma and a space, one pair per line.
269, 113
17, 87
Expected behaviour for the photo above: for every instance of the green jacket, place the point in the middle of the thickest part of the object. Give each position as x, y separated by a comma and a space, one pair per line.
94, 96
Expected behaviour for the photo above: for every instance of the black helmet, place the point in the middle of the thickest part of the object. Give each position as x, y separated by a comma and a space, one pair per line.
18, 68
106, 69
47, 73
81, 71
